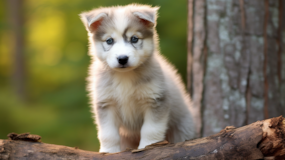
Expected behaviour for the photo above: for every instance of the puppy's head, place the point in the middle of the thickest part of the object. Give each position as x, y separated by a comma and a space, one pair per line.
123, 37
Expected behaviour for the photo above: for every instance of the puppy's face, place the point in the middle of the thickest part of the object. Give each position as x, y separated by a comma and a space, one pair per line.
122, 36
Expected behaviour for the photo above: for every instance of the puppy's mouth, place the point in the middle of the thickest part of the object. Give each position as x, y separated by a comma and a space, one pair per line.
123, 66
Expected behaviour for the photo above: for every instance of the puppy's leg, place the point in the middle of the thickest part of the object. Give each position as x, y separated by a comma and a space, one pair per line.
129, 142
182, 129
108, 131
154, 126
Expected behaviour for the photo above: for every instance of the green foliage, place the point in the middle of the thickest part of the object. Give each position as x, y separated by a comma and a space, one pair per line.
56, 67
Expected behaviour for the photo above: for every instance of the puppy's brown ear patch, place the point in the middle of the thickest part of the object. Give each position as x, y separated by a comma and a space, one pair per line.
147, 16
145, 19
92, 20
95, 25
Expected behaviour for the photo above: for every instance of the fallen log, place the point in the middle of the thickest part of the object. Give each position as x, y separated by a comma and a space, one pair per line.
260, 140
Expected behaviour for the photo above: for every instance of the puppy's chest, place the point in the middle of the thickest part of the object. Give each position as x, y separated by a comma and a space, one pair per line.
131, 101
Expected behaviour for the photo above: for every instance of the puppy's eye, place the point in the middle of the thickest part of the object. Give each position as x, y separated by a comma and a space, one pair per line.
134, 39
110, 41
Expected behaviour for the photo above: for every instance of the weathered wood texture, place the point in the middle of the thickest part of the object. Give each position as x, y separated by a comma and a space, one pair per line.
255, 141
243, 61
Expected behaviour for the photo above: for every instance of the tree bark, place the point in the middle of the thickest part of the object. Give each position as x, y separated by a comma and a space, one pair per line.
15, 17
255, 141
196, 56
240, 69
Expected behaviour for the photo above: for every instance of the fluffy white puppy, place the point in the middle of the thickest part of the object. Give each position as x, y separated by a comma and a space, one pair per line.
137, 96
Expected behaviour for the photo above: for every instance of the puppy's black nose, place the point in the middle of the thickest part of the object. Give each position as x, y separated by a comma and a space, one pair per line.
123, 59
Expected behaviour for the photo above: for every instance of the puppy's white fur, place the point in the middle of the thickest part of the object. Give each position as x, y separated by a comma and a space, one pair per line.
140, 102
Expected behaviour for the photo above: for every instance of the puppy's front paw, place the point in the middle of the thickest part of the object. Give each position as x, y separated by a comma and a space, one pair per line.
143, 144
110, 150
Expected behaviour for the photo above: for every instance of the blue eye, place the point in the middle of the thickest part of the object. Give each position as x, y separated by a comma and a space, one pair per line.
110, 41
134, 39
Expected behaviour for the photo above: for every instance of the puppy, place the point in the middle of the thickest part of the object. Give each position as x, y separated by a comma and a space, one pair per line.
137, 96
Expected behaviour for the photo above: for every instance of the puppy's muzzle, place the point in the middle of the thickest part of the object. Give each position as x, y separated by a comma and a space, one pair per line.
123, 59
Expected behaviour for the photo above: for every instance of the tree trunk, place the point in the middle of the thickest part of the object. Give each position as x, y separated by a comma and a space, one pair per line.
16, 21
237, 68
255, 141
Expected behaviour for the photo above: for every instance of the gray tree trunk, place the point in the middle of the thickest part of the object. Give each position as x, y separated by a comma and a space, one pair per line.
15, 17
236, 62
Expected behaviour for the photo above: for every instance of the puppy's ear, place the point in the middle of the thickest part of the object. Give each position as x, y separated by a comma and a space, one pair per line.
93, 19
147, 16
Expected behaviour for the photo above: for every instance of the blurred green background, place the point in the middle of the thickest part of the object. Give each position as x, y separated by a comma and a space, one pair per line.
55, 55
